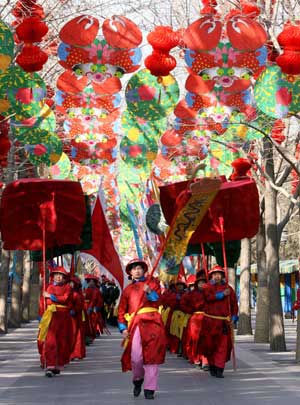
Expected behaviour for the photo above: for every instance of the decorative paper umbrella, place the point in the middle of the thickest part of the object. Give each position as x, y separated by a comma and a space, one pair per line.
28, 206
272, 93
47, 149
44, 121
138, 154
61, 169
22, 91
293, 83
135, 127
150, 99
6, 46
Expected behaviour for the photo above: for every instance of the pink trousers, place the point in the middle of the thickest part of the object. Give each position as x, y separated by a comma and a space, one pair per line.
148, 372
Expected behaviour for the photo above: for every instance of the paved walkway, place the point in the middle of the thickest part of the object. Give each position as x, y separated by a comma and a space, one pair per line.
262, 377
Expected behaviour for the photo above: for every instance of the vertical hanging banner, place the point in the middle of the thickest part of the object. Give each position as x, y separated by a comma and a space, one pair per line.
192, 205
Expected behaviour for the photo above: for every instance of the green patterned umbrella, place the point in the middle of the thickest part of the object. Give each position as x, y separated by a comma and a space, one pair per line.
135, 127
61, 169
45, 149
6, 46
44, 122
273, 93
293, 83
138, 154
149, 98
23, 93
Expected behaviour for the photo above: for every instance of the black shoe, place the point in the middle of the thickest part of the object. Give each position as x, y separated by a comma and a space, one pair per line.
149, 394
219, 372
55, 371
137, 387
49, 373
213, 371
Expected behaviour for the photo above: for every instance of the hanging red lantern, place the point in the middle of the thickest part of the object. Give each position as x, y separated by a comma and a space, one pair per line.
160, 63
31, 58
32, 29
162, 40
289, 40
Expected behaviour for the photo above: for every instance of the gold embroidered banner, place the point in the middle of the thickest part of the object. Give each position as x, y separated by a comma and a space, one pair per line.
189, 216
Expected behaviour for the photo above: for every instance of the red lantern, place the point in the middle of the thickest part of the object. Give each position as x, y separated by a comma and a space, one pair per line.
160, 63
31, 30
289, 62
163, 38
31, 58
289, 40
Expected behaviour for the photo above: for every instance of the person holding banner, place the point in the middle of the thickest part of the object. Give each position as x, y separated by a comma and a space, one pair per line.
55, 328
142, 328
220, 310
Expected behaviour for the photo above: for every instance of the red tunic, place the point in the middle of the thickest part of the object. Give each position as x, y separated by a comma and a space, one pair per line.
55, 350
150, 324
192, 302
93, 304
217, 332
78, 326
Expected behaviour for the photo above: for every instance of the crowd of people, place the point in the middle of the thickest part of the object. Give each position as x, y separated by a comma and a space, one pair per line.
192, 318
194, 321
72, 317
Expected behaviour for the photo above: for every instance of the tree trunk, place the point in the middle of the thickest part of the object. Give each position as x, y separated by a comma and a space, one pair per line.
277, 338
34, 292
14, 319
262, 319
26, 287
5, 259
231, 277
244, 325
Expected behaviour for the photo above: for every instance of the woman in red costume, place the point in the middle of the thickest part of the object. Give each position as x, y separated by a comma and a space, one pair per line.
193, 303
78, 320
142, 328
221, 309
55, 329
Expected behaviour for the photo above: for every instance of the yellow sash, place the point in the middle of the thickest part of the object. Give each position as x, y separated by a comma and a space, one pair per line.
145, 310
164, 314
129, 318
178, 323
198, 312
83, 316
46, 319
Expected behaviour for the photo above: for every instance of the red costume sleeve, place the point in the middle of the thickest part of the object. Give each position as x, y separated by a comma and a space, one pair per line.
186, 303
123, 307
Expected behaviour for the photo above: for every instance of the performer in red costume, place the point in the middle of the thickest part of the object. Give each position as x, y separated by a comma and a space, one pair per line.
78, 320
221, 309
93, 304
193, 303
142, 328
55, 329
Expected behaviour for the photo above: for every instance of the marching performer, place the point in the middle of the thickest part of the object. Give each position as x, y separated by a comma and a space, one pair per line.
221, 309
142, 328
55, 328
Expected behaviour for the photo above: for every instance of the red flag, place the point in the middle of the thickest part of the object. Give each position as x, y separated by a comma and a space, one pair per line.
103, 247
